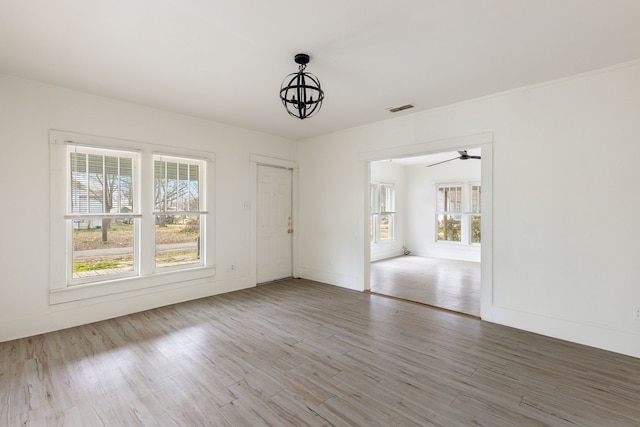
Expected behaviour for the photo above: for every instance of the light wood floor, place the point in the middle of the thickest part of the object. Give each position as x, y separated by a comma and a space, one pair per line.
299, 353
449, 284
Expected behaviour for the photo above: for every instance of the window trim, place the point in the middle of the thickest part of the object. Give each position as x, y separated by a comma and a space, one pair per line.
61, 289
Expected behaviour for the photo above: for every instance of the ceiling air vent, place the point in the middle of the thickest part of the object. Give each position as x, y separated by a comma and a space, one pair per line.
400, 108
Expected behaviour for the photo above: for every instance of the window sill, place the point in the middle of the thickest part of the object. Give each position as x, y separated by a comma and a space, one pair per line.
458, 245
127, 284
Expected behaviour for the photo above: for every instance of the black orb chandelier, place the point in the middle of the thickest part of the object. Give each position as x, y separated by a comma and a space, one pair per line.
300, 92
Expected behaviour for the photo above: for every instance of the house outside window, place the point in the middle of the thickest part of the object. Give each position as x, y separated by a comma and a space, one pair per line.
458, 213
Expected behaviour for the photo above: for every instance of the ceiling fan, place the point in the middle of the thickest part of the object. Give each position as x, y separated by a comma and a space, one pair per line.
463, 156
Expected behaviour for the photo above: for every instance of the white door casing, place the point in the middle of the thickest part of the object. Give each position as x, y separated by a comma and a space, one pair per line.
274, 224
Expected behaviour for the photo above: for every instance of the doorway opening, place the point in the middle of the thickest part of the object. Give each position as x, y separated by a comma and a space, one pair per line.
425, 229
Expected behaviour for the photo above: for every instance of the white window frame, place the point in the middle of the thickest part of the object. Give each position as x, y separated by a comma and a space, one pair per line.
63, 288
465, 213
199, 212
71, 216
376, 211
472, 213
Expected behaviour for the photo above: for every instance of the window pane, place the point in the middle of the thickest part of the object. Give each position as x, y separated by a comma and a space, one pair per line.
177, 240
79, 190
475, 228
160, 184
387, 198
102, 247
171, 186
449, 227
194, 188
124, 194
95, 184
100, 183
450, 199
386, 227
476, 198
177, 186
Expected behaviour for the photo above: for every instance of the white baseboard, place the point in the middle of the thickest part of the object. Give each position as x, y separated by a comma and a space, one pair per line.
592, 335
77, 313
341, 280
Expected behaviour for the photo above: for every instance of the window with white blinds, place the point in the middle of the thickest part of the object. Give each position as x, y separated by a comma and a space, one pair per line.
457, 215
103, 202
177, 185
102, 212
383, 210
125, 217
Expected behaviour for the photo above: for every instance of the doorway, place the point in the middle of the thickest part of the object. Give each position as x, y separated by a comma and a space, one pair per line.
442, 267
274, 223
431, 252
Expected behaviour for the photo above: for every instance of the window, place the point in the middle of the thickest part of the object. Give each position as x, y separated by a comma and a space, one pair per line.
125, 217
449, 215
476, 197
102, 211
177, 211
458, 214
383, 206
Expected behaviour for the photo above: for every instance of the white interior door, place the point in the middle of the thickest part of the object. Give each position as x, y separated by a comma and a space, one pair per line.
275, 226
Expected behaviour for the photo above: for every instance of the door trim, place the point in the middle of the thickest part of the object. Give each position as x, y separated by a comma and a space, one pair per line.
254, 161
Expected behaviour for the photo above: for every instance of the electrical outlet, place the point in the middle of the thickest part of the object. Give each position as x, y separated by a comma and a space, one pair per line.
636, 312
232, 267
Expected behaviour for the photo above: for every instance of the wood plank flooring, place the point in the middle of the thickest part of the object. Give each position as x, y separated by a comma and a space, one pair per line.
449, 284
301, 353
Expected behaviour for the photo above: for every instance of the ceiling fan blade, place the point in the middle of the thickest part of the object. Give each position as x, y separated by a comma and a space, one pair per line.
474, 157
445, 161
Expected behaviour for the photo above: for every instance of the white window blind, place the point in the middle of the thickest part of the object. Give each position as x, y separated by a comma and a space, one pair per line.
101, 183
177, 186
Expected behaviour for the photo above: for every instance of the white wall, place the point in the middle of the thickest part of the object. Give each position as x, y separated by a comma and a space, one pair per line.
565, 164
28, 110
391, 173
420, 237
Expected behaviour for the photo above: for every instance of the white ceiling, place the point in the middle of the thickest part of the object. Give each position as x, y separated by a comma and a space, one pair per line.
224, 60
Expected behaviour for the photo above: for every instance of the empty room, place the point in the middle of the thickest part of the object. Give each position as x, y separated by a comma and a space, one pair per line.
287, 213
